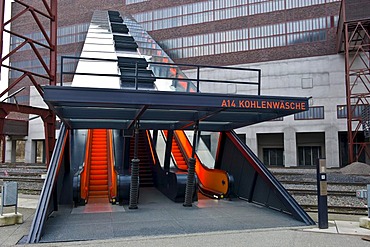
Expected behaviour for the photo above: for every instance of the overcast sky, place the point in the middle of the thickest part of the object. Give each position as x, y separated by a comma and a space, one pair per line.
4, 71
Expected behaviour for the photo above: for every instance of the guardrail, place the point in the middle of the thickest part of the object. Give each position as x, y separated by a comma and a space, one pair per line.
172, 71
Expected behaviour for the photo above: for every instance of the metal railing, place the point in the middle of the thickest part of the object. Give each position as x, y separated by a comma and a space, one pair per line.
45, 203
174, 72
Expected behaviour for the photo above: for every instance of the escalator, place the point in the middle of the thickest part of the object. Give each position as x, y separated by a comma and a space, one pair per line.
214, 183
98, 182
146, 163
178, 156
177, 153
96, 179
91, 170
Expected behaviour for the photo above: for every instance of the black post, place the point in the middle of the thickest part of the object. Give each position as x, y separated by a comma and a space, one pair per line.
322, 194
155, 137
167, 155
190, 183
136, 75
126, 154
198, 75
134, 188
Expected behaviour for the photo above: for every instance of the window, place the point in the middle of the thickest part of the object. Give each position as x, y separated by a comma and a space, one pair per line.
356, 111
316, 112
39, 151
134, 1
259, 37
273, 156
309, 155
213, 10
19, 150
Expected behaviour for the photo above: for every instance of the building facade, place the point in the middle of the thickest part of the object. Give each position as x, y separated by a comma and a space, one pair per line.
294, 42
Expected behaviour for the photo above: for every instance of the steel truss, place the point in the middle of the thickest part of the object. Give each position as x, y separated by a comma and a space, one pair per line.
45, 17
357, 60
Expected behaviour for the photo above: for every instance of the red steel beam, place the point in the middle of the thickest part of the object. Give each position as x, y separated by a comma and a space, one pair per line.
2, 16
53, 41
46, 115
50, 69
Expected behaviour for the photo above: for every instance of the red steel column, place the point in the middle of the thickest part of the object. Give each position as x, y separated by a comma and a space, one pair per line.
53, 40
348, 96
2, 14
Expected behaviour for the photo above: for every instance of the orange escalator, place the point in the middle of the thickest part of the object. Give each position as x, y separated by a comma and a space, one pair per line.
179, 157
98, 184
99, 178
212, 182
177, 154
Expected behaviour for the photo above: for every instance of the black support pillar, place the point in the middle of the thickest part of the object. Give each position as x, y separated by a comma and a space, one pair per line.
167, 156
190, 183
134, 188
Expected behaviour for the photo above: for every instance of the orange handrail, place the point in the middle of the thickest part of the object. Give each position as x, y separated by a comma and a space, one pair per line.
112, 173
84, 189
181, 167
213, 180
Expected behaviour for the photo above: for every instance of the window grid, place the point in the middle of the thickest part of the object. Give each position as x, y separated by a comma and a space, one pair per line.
65, 35
315, 112
356, 111
128, 2
260, 37
214, 10
36, 67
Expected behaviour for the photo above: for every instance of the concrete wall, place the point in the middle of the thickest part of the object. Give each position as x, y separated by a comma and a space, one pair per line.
321, 78
36, 126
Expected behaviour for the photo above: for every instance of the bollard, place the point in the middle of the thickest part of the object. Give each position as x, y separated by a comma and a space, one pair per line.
322, 194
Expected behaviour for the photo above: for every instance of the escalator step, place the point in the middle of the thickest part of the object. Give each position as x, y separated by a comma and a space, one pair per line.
98, 172
103, 167
98, 182
99, 158
98, 177
98, 187
98, 163
98, 193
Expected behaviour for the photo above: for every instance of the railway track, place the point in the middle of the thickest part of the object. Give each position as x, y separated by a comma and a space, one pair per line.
329, 183
338, 209
314, 192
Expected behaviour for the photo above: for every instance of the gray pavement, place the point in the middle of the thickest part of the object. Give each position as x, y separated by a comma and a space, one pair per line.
343, 231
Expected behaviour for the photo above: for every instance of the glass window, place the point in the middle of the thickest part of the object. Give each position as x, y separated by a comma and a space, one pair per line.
356, 111
309, 155
316, 112
273, 156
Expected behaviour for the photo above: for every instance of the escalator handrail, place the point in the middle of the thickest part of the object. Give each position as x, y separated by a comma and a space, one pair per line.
48, 187
164, 134
267, 175
155, 158
85, 172
112, 173
200, 164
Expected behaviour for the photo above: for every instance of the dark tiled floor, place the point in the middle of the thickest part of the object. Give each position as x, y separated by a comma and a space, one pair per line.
157, 215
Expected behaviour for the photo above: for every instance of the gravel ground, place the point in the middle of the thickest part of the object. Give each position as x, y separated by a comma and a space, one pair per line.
34, 171
334, 175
